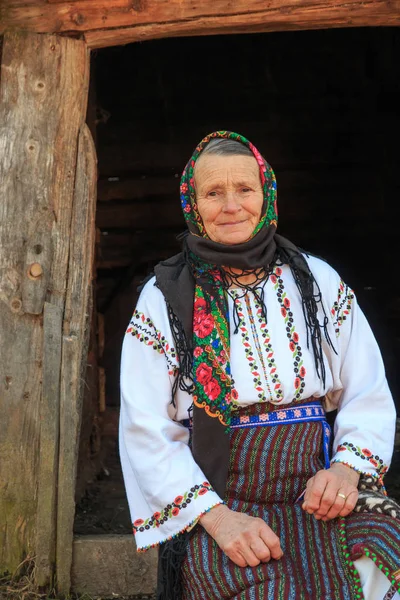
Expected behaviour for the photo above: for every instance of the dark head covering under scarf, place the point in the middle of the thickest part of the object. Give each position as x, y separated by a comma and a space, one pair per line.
195, 286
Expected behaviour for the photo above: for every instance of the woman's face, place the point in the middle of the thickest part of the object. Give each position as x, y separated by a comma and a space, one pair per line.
229, 196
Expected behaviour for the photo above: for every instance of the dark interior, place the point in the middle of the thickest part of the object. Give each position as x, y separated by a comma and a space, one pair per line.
323, 108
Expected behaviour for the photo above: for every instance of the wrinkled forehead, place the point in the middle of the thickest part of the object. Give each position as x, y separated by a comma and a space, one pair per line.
210, 168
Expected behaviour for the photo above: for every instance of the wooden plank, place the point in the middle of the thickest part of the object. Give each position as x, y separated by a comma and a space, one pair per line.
142, 187
75, 347
102, 390
127, 158
48, 449
125, 21
42, 99
136, 188
141, 215
281, 16
109, 566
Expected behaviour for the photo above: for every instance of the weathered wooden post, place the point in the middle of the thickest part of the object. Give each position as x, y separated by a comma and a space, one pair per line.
43, 96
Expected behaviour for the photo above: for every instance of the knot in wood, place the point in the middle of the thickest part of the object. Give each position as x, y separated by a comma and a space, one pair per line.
77, 18
35, 270
16, 305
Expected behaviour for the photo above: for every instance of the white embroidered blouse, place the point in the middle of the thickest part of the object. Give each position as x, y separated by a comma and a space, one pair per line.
270, 362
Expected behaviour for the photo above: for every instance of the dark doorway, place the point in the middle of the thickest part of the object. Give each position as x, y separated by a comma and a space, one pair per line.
322, 106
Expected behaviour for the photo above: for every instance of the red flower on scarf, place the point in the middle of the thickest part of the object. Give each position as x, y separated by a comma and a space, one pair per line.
138, 522
203, 491
178, 500
366, 452
203, 373
297, 382
157, 516
175, 511
273, 279
373, 462
302, 371
278, 271
212, 389
187, 208
203, 325
198, 351
283, 312
199, 304
292, 346
295, 337
184, 187
235, 395
286, 302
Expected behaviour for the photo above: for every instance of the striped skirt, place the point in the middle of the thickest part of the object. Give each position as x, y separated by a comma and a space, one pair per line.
269, 470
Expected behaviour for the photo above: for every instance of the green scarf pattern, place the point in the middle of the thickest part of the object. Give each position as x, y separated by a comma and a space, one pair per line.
211, 338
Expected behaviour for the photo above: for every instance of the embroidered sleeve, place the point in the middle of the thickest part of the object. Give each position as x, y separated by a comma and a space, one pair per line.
341, 308
365, 424
167, 491
143, 328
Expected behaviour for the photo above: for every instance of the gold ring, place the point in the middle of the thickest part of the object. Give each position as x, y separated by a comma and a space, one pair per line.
342, 495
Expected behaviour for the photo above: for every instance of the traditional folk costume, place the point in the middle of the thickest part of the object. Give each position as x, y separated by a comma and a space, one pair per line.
224, 394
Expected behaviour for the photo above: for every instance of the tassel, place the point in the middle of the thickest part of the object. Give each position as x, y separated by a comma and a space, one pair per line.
170, 558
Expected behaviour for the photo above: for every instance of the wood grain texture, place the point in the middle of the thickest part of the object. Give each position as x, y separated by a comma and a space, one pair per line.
42, 102
124, 21
48, 447
74, 349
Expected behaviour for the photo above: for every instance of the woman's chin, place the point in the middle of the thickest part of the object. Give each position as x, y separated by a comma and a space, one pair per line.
232, 237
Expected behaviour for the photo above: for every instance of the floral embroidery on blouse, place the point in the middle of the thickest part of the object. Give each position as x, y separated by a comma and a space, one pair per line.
342, 307
292, 335
173, 509
365, 454
249, 350
264, 354
145, 331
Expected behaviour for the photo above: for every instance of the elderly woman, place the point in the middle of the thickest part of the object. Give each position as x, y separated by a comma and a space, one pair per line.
236, 349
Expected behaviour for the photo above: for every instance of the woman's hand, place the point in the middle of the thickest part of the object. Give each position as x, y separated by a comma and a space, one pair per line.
332, 493
246, 540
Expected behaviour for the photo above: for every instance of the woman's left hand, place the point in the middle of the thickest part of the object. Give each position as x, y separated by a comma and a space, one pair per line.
332, 492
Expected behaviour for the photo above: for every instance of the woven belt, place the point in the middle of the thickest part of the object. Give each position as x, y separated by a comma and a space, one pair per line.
310, 411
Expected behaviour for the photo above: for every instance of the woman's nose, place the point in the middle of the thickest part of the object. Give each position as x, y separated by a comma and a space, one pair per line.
231, 204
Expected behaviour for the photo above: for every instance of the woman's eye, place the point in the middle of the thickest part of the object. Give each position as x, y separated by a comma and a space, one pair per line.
246, 190
212, 194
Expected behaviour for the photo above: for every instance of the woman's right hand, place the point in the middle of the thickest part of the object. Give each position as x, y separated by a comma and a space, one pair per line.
246, 540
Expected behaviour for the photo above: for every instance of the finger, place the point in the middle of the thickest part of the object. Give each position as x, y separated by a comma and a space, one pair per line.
237, 558
261, 550
350, 503
248, 555
329, 499
272, 541
316, 493
308, 490
337, 506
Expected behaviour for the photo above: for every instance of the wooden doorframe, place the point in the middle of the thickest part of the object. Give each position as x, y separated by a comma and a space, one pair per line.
48, 189
127, 21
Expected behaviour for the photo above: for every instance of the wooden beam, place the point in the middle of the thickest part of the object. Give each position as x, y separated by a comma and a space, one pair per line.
125, 21
75, 347
43, 88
